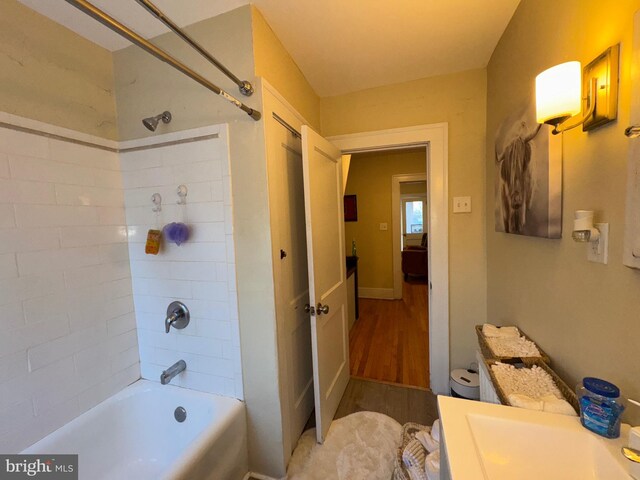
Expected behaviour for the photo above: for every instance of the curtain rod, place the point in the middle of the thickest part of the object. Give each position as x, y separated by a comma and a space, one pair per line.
160, 54
244, 85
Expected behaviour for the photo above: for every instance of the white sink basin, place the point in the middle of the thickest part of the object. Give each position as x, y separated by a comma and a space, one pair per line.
495, 442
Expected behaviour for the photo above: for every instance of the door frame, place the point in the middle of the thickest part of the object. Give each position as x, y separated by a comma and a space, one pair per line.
396, 225
434, 137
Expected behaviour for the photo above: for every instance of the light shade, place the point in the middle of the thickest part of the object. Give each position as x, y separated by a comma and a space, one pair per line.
558, 93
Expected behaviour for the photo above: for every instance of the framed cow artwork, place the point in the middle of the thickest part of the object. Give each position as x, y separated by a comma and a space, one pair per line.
528, 178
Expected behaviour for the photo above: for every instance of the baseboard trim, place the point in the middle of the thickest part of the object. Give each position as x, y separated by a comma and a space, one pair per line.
378, 293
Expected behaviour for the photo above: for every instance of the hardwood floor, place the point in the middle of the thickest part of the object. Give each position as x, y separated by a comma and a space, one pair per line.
390, 340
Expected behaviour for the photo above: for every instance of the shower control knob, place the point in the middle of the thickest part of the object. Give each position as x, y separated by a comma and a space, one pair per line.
178, 316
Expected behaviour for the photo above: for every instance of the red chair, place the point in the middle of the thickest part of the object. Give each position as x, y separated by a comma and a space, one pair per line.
415, 259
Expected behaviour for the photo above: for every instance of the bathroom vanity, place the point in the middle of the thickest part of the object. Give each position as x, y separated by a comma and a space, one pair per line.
483, 441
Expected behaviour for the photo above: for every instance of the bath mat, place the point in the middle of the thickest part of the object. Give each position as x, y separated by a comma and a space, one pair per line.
361, 446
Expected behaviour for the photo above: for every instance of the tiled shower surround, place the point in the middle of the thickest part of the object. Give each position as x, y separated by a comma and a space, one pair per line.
68, 328
74, 333
200, 273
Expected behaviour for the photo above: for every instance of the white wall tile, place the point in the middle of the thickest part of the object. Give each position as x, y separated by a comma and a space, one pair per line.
76, 334
195, 272
33, 262
149, 177
13, 365
162, 287
8, 265
20, 143
7, 216
17, 191
125, 359
12, 317
108, 179
118, 288
54, 215
49, 352
201, 271
214, 291
28, 287
40, 170
65, 285
88, 196
4, 166
111, 216
83, 155
122, 342
122, 324
94, 235
28, 239
139, 160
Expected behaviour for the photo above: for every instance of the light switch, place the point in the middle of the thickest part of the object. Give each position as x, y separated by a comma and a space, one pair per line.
383, 226
461, 204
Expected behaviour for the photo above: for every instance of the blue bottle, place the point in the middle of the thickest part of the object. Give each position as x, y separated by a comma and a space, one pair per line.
600, 406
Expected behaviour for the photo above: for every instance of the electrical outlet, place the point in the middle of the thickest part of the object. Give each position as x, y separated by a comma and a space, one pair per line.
461, 204
384, 227
598, 252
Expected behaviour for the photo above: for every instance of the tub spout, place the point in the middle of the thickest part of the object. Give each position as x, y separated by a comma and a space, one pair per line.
167, 375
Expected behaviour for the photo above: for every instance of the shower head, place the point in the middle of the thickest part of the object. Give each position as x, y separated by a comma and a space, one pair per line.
152, 122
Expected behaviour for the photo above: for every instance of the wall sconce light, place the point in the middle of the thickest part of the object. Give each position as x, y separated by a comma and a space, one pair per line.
559, 96
597, 235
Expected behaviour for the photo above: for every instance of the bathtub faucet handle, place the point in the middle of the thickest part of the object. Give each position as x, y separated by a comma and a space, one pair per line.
177, 316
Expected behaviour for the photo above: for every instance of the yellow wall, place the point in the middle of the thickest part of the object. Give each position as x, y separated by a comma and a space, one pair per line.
460, 100
50, 74
146, 86
275, 64
410, 188
584, 315
370, 179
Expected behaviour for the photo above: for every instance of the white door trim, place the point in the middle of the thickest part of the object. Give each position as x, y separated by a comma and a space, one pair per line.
435, 138
396, 180
275, 103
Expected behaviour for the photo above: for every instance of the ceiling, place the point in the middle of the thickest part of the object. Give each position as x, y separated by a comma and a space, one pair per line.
340, 46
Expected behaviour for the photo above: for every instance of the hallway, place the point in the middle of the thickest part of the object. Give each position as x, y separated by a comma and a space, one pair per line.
390, 340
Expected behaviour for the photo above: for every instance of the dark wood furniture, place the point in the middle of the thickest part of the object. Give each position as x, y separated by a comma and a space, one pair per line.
352, 269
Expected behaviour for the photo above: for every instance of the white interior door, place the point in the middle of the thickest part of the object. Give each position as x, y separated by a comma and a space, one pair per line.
290, 274
322, 169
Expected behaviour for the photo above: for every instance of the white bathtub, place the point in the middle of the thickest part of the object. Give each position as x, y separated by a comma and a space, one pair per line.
134, 435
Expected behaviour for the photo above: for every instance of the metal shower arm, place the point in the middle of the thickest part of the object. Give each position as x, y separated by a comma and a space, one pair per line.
160, 54
244, 85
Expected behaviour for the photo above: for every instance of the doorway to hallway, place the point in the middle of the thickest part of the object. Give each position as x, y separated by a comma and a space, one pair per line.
433, 138
389, 342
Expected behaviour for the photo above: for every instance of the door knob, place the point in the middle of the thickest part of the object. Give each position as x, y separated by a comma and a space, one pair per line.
322, 309
310, 310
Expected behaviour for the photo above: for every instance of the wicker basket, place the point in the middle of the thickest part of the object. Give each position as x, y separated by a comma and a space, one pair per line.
566, 392
409, 431
488, 353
